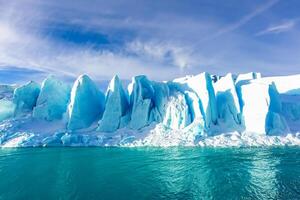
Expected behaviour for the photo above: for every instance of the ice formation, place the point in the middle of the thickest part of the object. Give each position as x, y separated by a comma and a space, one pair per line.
262, 108
141, 102
116, 113
86, 103
202, 86
177, 112
25, 97
228, 105
7, 109
247, 77
201, 110
53, 100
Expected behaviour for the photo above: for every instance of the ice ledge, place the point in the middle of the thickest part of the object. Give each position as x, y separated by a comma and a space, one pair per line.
154, 135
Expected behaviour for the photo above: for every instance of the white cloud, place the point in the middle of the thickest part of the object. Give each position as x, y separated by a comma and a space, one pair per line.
22, 44
20, 48
6, 34
279, 28
259, 10
161, 45
176, 55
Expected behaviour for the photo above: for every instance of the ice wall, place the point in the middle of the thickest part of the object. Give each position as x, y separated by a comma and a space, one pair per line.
25, 97
141, 102
202, 85
160, 99
86, 104
53, 100
247, 77
261, 108
177, 114
191, 107
116, 113
7, 109
227, 101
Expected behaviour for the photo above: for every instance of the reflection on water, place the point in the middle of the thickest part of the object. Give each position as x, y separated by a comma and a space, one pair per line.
150, 173
263, 175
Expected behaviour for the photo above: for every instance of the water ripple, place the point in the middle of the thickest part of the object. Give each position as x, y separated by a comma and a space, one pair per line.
150, 173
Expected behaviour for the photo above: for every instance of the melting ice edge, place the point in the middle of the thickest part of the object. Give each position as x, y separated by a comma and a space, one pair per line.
200, 110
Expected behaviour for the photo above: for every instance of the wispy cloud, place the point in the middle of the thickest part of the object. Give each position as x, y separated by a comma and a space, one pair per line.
279, 28
162, 39
19, 48
164, 52
259, 10
23, 43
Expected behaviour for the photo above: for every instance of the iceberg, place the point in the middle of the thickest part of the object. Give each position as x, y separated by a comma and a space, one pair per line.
25, 97
202, 85
284, 84
7, 106
53, 100
116, 107
230, 110
228, 105
196, 112
195, 107
261, 108
275, 122
86, 104
7, 109
177, 112
247, 77
291, 110
289, 92
160, 100
148, 101
141, 101
7, 91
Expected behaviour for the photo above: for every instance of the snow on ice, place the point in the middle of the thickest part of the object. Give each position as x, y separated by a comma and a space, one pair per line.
200, 110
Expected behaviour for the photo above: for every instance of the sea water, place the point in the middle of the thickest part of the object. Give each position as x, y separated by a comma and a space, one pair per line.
150, 173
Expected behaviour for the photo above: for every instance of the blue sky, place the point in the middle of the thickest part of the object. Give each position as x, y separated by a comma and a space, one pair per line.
162, 39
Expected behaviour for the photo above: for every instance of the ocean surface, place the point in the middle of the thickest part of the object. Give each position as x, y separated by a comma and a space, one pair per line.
150, 173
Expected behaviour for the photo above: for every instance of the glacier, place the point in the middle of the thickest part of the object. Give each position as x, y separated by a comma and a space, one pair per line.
116, 113
86, 103
141, 101
227, 101
25, 97
196, 110
53, 100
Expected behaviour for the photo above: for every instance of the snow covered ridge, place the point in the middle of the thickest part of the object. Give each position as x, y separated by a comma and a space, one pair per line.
204, 110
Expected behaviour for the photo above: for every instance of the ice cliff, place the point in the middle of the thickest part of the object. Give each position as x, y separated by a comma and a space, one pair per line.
52, 101
86, 104
116, 113
204, 110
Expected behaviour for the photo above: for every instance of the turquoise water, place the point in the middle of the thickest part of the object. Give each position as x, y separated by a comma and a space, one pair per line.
150, 173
